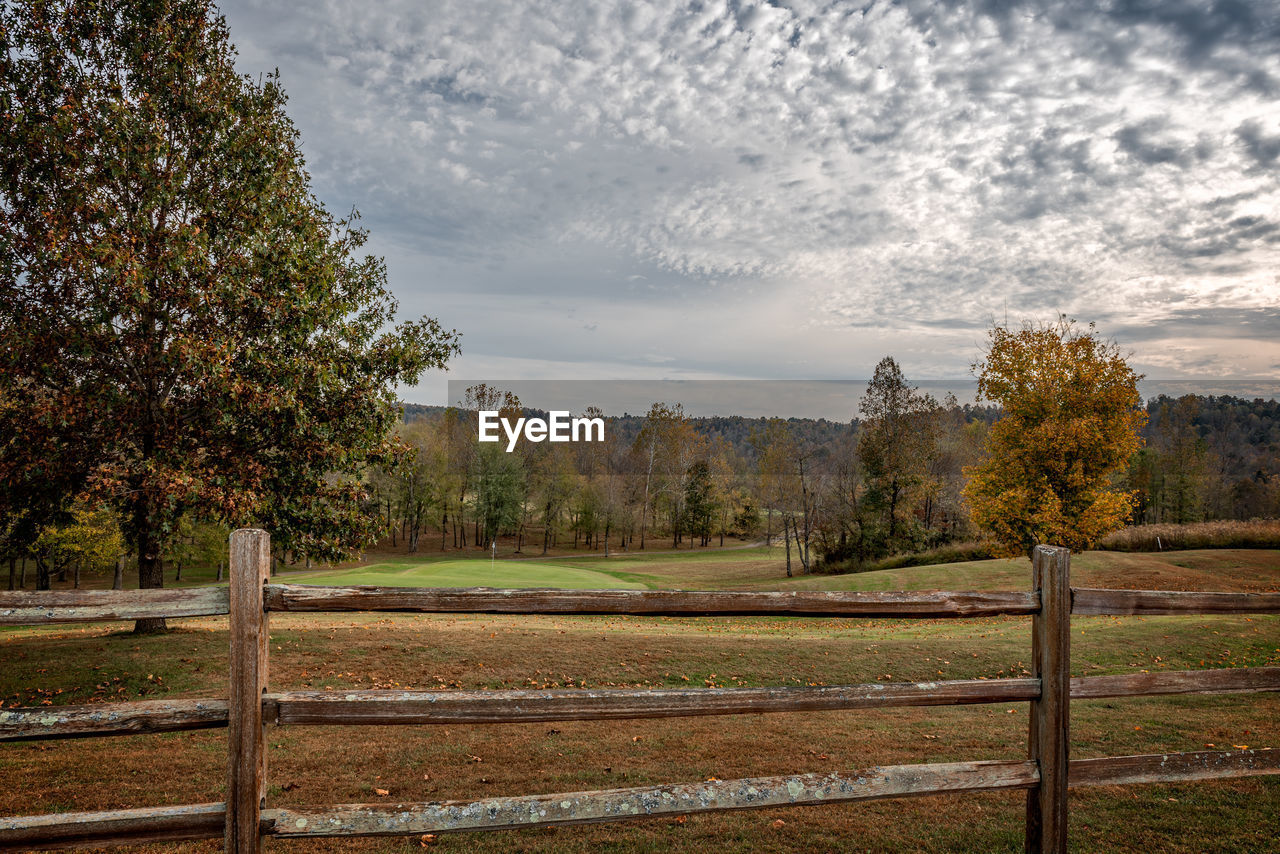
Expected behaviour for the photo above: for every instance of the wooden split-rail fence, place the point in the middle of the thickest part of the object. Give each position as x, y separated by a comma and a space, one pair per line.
244, 820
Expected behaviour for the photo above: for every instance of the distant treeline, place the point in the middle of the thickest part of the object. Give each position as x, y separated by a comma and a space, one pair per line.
821, 483
734, 429
1208, 458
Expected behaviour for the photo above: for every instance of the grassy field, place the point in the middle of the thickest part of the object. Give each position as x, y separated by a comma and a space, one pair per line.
318, 765
468, 573
762, 568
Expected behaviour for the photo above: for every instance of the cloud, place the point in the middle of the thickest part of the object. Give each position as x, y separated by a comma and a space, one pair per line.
917, 167
1262, 147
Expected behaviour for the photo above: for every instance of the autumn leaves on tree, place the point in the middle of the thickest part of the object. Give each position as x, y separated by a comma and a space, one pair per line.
187, 328
1071, 412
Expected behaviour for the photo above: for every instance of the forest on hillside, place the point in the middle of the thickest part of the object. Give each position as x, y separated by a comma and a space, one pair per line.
831, 489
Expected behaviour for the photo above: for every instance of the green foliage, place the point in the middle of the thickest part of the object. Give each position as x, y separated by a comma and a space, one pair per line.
499, 491
951, 553
90, 538
186, 326
896, 446
700, 500
1169, 477
1070, 422
198, 543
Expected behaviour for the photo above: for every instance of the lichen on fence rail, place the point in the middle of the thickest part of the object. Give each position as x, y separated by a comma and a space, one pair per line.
649, 801
205, 821
24, 607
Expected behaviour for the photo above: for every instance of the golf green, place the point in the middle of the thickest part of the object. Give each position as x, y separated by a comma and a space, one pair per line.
469, 573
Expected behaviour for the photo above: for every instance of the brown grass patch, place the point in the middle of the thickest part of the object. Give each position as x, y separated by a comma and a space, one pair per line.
1225, 534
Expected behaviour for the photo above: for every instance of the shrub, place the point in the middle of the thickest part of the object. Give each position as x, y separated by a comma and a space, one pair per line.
953, 553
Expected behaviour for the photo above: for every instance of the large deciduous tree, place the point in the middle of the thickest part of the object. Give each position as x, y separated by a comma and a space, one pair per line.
186, 328
1070, 421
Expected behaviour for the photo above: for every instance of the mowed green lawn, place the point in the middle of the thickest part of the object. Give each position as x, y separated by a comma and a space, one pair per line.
468, 573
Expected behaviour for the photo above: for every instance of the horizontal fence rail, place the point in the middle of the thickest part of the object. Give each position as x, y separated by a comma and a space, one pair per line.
518, 706
244, 820
79, 606
22, 608
1088, 600
100, 719
648, 603
112, 827
18, 608
1230, 680
205, 821
380, 707
892, 781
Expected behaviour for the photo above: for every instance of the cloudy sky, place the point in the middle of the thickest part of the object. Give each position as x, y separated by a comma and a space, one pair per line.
608, 189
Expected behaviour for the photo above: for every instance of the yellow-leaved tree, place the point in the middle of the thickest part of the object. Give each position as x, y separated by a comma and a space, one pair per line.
1071, 415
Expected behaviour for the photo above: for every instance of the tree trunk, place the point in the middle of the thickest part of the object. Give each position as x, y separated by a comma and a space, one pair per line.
150, 566
893, 513
178, 575
44, 581
787, 539
22, 574
13, 570
219, 578
546, 529
76, 576
117, 580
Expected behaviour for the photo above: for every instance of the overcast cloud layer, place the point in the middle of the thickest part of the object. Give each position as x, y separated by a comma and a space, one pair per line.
607, 189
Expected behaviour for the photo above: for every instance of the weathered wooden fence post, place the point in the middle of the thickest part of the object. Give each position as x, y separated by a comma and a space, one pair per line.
246, 738
1051, 662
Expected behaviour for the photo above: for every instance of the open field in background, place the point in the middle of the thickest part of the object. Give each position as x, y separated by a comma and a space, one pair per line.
319, 765
745, 563
758, 569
